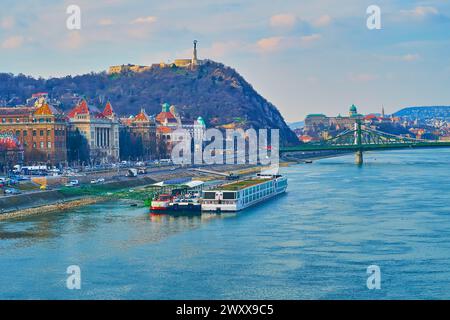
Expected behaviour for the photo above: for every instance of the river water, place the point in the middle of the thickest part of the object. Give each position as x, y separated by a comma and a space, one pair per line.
315, 242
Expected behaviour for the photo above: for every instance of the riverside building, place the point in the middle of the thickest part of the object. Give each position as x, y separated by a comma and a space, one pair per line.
100, 128
41, 130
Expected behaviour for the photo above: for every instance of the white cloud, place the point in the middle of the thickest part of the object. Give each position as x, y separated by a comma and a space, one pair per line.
283, 20
12, 42
7, 23
421, 12
272, 44
144, 20
322, 21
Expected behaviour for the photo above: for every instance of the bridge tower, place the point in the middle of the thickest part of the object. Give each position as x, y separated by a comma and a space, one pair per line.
359, 158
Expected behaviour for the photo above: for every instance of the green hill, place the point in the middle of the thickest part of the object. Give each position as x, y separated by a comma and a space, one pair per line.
214, 91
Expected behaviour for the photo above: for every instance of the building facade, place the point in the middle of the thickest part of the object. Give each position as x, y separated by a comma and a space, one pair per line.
143, 128
167, 122
127, 68
318, 122
99, 128
197, 132
11, 152
41, 130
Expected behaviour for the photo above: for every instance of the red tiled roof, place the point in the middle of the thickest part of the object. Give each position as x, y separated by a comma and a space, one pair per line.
81, 108
165, 115
108, 111
305, 138
141, 117
370, 117
163, 129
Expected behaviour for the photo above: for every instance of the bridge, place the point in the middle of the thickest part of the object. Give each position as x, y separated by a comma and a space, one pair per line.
360, 140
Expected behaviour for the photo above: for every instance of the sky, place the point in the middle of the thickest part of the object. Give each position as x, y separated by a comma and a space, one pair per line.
304, 56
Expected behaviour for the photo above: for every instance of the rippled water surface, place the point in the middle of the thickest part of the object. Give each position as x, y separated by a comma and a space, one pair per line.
315, 242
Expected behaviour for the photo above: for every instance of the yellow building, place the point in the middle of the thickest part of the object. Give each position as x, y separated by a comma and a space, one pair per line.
127, 68
183, 62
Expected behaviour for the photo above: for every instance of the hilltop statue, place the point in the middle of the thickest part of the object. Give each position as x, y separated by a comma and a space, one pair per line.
194, 58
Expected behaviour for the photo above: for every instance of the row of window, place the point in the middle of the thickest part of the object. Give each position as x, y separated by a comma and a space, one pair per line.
258, 195
25, 120
228, 197
58, 132
260, 187
41, 145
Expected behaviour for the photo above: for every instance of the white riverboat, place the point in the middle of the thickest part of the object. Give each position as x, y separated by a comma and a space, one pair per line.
242, 194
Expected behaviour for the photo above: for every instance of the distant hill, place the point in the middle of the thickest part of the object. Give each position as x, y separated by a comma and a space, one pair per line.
296, 125
214, 91
424, 113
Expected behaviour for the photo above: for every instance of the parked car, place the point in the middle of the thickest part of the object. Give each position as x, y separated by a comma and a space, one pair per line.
132, 173
142, 170
12, 191
165, 161
73, 183
99, 180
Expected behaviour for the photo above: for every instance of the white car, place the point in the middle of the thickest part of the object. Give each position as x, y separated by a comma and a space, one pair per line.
73, 183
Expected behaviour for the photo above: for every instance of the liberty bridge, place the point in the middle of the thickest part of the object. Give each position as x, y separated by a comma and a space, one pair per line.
358, 140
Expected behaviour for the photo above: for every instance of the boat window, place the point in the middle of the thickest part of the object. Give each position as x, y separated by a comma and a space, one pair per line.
209, 195
229, 195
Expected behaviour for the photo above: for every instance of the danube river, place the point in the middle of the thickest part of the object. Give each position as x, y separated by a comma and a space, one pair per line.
315, 242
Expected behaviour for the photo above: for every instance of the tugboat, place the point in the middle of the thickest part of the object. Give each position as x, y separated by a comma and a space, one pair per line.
165, 203
161, 203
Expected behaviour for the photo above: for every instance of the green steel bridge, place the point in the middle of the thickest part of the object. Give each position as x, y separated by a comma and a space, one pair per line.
362, 139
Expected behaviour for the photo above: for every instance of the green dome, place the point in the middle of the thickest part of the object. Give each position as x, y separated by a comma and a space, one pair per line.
201, 121
166, 107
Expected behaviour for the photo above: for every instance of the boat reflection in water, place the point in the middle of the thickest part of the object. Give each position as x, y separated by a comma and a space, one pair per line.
193, 217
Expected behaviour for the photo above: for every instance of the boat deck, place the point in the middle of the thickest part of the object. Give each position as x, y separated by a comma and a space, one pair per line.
239, 185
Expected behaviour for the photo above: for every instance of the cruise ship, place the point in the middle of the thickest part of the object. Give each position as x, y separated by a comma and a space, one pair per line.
242, 194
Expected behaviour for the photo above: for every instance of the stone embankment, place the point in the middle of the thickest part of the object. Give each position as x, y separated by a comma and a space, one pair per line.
60, 206
39, 202
54, 200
